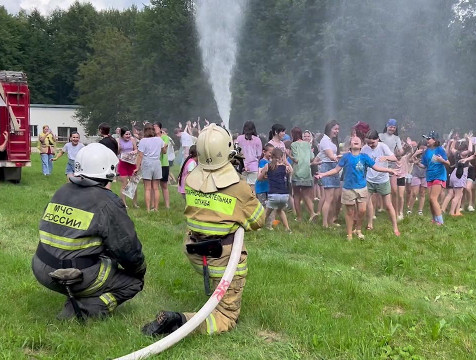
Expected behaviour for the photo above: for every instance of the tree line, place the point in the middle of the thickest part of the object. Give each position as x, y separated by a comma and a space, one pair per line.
300, 62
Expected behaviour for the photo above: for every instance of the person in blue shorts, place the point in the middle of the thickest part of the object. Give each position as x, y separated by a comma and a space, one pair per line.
71, 148
276, 172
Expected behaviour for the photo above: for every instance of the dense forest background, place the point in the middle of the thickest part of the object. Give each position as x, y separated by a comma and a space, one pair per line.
301, 62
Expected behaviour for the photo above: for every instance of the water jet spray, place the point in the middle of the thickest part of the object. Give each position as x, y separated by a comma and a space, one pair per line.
218, 24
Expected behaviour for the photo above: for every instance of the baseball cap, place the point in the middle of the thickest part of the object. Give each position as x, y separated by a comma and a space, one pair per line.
432, 135
392, 122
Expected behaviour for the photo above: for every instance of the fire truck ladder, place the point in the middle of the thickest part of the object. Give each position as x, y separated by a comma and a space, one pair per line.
13, 100
12, 76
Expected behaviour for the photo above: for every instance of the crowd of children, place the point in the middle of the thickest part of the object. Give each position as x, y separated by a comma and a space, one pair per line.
369, 172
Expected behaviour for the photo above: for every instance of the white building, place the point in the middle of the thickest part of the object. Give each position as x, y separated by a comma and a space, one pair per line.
61, 120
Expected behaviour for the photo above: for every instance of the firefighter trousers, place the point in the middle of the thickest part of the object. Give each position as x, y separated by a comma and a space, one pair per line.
225, 315
103, 288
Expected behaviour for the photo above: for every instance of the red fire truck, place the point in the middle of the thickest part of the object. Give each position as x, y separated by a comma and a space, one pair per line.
15, 119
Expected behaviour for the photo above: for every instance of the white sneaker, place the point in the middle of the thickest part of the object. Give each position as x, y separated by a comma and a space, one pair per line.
420, 212
409, 212
470, 208
400, 217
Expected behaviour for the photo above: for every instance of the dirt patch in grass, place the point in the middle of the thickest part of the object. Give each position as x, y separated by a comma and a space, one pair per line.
338, 315
34, 354
460, 289
269, 336
468, 345
393, 310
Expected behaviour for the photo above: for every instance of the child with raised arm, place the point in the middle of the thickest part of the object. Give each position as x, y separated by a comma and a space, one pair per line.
262, 186
71, 148
403, 167
354, 192
459, 176
418, 185
434, 159
276, 172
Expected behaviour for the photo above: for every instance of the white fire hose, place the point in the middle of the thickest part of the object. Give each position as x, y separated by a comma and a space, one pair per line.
203, 313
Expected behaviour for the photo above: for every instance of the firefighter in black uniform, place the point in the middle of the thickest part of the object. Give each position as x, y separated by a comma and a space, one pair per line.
86, 227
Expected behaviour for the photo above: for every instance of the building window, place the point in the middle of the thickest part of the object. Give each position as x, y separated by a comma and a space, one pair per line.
33, 130
65, 132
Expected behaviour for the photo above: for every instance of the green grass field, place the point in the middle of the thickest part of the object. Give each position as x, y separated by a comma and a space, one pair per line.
309, 294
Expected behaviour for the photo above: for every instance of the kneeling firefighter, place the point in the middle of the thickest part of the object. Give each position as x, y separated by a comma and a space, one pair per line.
85, 233
217, 204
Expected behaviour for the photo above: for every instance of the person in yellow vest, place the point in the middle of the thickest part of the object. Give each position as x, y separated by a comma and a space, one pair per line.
218, 202
46, 144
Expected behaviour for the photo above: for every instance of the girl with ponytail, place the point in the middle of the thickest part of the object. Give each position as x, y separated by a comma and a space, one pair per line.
188, 165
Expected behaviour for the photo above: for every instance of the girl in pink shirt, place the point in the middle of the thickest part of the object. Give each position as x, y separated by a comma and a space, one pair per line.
251, 148
403, 167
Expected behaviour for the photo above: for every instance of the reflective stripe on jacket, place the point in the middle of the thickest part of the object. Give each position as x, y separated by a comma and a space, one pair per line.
222, 212
85, 219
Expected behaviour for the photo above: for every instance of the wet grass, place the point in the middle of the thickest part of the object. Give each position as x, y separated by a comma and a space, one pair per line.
309, 294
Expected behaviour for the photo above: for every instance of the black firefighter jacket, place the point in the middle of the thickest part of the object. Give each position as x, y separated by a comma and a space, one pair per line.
85, 219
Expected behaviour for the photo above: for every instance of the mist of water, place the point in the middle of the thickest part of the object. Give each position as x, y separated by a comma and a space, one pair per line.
218, 23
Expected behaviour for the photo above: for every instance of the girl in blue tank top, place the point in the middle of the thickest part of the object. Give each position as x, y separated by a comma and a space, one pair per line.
276, 172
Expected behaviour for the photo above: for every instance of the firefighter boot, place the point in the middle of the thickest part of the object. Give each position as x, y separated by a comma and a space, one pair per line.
165, 323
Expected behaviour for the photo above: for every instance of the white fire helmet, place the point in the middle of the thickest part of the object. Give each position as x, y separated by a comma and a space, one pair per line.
96, 161
214, 171
214, 146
